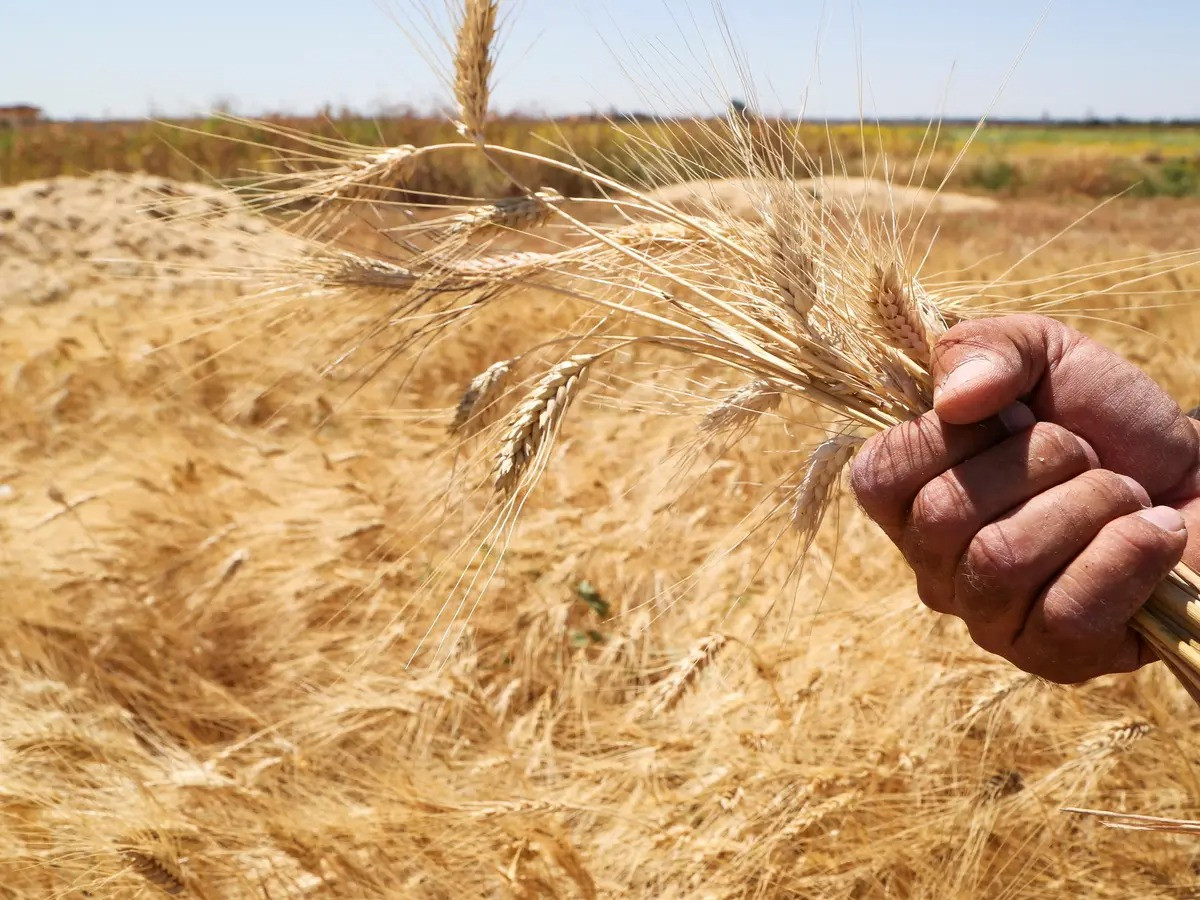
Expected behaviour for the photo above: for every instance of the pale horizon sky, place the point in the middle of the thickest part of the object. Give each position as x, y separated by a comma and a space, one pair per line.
921, 58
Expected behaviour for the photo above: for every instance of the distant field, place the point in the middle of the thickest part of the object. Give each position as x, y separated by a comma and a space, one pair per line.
1006, 159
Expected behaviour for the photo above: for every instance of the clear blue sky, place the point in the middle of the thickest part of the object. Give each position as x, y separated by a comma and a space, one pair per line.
132, 58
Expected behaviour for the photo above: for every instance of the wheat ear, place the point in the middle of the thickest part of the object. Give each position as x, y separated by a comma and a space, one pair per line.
703, 655
821, 478
1116, 738
514, 214
742, 407
472, 414
367, 177
998, 694
536, 417
899, 314
473, 65
158, 870
795, 273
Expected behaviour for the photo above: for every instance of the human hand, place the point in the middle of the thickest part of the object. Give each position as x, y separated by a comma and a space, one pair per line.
1043, 500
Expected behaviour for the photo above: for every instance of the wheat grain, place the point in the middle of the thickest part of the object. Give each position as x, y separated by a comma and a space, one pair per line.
820, 480
703, 655
1002, 784
651, 234
502, 266
368, 177
473, 412
474, 64
344, 269
813, 815
742, 407
536, 417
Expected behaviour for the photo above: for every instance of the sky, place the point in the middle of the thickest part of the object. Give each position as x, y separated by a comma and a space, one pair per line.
825, 58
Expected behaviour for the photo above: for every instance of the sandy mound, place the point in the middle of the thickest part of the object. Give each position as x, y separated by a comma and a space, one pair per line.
66, 233
743, 198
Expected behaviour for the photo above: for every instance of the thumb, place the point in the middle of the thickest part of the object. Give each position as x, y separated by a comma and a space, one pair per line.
1136, 429
984, 366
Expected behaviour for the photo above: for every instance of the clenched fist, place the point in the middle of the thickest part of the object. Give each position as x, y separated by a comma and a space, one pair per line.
1048, 493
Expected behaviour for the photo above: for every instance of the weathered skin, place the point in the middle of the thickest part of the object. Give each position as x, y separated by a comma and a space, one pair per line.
1052, 488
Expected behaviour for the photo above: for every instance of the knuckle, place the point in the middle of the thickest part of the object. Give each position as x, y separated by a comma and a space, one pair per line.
868, 477
991, 564
1140, 549
1068, 624
940, 510
877, 474
990, 640
1109, 489
1058, 444
934, 594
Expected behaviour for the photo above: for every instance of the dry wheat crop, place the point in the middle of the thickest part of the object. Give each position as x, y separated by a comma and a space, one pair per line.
233, 519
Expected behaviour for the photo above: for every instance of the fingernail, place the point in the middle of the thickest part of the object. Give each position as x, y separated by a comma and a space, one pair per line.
1138, 490
974, 368
1165, 518
1017, 418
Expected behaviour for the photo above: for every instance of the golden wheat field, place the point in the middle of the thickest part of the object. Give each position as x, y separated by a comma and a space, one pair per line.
211, 554
257, 643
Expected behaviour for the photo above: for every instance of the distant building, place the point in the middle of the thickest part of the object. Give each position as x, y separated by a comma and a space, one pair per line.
21, 114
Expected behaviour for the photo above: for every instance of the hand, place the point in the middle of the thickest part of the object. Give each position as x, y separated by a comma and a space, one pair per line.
1026, 502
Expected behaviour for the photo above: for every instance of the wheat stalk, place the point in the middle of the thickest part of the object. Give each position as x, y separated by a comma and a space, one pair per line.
158, 870
815, 814
898, 313
1002, 784
998, 694
1116, 738
794, 271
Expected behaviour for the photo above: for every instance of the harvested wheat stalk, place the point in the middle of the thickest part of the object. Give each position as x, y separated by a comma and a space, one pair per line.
808, 307
898, 314
820, 480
